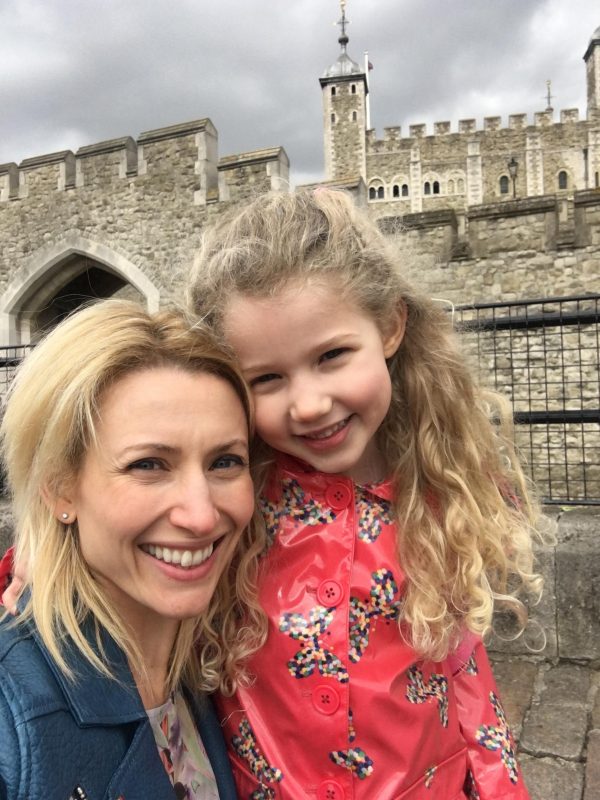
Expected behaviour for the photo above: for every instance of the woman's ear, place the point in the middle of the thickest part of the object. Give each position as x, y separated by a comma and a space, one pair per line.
395, 329
60, 505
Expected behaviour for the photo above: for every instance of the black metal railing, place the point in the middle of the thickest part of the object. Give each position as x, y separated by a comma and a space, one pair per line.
10, 358
545, 356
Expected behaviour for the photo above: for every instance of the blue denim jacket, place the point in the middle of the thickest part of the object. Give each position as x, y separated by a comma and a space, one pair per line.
87, 739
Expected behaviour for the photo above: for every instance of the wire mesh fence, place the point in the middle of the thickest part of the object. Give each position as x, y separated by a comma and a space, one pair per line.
544, 356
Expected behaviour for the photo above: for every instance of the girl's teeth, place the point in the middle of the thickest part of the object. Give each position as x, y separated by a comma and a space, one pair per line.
182, 558
329, 431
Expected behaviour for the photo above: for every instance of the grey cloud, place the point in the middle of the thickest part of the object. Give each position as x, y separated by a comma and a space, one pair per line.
79, 71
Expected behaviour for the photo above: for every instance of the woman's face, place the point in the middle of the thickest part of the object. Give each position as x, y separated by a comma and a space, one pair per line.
164, 494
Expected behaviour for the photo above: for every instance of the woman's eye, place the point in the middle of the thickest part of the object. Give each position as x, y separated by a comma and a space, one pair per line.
228, 461
267, 378
331, 354
145, 465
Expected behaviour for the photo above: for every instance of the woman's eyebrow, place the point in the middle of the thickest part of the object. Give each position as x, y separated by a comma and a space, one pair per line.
145, 446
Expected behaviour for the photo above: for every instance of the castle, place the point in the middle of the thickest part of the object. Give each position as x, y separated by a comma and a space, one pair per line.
488, 213
463, 168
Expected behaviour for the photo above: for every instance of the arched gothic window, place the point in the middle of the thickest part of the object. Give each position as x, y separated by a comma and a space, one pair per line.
436, 187
404, 190
562, 179
395, 190
427, 188
504, 185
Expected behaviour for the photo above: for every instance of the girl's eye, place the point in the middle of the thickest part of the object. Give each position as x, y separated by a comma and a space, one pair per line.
331, 354
146, 465
228, 461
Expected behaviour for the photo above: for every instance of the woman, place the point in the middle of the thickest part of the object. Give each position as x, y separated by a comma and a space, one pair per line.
125, 440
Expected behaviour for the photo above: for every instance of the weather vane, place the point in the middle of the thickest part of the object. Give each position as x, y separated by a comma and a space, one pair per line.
343, 21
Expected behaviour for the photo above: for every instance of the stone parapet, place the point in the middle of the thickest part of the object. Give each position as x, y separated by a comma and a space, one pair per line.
565, 624
180, 149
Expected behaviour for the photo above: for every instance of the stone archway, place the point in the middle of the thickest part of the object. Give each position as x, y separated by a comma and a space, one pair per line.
58, 278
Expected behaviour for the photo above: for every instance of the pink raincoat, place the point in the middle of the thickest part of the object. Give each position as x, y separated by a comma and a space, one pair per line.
342, 707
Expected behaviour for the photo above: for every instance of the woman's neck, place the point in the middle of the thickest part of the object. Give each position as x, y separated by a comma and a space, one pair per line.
151, 684
155, 644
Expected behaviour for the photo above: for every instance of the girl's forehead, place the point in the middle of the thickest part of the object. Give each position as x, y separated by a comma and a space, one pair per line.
300, 313
322, 287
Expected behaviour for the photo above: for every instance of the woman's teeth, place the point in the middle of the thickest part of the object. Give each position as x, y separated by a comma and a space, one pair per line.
182, 558
328, 431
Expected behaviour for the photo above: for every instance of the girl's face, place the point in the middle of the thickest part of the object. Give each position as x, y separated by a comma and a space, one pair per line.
163, 495
317, 367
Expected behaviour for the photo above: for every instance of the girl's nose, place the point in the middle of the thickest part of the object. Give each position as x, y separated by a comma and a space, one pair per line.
193, 508
309, 404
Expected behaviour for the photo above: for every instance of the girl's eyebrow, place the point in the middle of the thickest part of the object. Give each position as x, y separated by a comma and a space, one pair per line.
326, 344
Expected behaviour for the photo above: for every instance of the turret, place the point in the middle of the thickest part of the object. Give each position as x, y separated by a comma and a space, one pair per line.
592, 63
344, 87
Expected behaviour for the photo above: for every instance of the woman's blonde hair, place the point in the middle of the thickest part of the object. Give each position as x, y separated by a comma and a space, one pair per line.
49, 423
464, 511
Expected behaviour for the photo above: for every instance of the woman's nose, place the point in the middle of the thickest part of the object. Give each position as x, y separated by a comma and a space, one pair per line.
193, 507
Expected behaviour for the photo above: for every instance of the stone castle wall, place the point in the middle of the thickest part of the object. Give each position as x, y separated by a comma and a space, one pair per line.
504, 251
136, 208
468, 164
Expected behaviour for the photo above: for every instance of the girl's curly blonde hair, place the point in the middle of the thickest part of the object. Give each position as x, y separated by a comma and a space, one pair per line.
464, 512
49, 423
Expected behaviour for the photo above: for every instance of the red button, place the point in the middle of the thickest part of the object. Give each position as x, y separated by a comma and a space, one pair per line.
330, 593
330, 790
325, 699
338, 496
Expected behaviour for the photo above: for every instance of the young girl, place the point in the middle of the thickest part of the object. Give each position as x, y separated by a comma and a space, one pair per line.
396, 509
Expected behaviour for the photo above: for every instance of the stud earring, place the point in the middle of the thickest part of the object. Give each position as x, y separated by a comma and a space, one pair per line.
65, 516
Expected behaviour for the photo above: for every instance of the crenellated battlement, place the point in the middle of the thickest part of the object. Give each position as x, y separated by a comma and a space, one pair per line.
184, 156
392, 135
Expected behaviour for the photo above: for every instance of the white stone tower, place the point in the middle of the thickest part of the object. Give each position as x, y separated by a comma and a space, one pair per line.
592, 63
344, 87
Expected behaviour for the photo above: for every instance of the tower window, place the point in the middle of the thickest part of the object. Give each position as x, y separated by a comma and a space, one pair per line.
461, 185
333, 91
353, 88
504, 185
395, 190
372, 193
380, 193
333, 119
427, 188
354, 116
404, 190
436, 187
562, 179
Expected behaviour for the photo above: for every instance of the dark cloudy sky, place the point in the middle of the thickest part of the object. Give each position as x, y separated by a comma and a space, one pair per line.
76, 72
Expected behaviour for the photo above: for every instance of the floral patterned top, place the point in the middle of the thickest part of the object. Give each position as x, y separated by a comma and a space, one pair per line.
342, 707
181, 750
